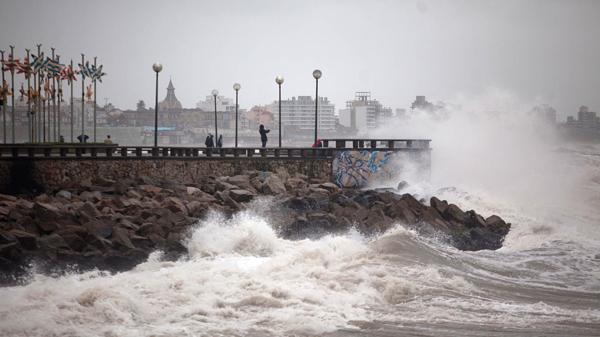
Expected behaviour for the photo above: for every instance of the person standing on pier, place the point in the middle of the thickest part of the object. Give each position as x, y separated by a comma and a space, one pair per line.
209, 142
220, 141
263, 135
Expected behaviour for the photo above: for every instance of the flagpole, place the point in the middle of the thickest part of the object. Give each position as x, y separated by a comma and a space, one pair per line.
52, 117
38, 87
4, 98
59, 96
82, 100
35, 111
29, 115
44, 109
12, 98
94, 101
71, 85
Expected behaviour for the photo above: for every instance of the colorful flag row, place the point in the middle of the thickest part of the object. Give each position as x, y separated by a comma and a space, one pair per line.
52, 67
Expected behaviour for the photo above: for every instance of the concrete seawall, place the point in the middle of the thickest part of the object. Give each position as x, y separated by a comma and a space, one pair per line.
51, 174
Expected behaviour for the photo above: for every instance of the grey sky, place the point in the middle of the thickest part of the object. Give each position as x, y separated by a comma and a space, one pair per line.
544, 51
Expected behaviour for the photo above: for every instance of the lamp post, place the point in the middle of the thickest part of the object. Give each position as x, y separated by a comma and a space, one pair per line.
215, 93
279, 81
316, 74
237, 88
157, 67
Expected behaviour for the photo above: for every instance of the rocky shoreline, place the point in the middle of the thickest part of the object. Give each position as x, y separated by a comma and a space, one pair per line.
114, 225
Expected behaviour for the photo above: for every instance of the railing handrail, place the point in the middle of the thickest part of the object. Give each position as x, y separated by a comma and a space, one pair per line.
73, 151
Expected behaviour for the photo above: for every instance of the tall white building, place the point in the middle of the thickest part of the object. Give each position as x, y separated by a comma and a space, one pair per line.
299, 113
363, 113
223, 104
225, 107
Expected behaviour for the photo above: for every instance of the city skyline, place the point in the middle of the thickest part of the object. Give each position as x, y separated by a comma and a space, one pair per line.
541, 51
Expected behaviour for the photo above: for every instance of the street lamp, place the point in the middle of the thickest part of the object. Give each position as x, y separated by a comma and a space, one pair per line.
215, 93
316, 74
157, 67
279, 81
237, 88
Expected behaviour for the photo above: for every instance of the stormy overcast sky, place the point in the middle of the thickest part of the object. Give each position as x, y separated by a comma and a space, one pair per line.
543, 51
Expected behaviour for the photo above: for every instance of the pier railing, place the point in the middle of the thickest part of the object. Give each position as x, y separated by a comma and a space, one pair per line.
390, 144
75, 151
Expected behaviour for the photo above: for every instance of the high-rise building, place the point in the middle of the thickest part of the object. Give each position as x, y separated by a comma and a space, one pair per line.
587, 118
299, 114
421, 103
364, 113
545, 113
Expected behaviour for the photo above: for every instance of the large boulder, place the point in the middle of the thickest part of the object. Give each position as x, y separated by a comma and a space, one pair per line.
27, 240
453, 213
273, 185
295, 184
242, 181
100, 228
240, 195
175, 205
121, 236
439, 205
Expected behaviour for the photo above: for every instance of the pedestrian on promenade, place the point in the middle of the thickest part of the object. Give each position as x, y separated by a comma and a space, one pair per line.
263, 135
108, 141
220, 141
209, 142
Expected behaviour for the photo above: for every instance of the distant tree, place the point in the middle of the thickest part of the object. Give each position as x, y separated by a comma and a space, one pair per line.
141, 105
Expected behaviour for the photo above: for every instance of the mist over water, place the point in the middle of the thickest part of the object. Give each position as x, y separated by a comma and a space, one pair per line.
492, 152
241, 279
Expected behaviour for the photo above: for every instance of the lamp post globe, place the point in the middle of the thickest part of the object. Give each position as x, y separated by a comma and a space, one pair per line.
157, 67
279, 80
237, 87
317, 74
215, 92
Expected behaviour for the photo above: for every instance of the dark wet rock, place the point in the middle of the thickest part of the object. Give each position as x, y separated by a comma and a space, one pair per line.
64, 194
453, 213
438, 204
74, 241
240, 195
295, 184
273, 185
10, 251
26, 240
53, 242
121, 236
99, 227
242, 182
401, 185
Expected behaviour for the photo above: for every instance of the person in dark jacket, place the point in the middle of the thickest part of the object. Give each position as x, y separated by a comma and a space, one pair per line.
209, 142
220, 141
263, 135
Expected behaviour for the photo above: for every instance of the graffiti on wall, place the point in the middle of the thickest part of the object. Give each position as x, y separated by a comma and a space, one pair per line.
357, 168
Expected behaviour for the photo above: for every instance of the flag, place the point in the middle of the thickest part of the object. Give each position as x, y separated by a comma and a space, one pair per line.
24, 68
67, 73
97, 73
10, 65
53, 67
85, 70
39, 62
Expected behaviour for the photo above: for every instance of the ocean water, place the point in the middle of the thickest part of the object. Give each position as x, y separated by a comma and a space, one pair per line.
240, 279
